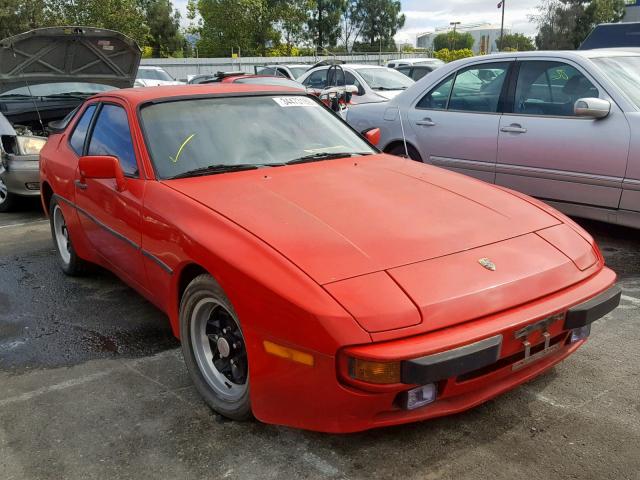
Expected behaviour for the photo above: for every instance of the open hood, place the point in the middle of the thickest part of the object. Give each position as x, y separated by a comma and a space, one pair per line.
68, 54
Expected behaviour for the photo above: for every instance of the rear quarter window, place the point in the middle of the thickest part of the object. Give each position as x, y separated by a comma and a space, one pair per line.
80, 131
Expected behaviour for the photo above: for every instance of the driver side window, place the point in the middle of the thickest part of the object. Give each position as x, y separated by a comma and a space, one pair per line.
111, 136
550, 88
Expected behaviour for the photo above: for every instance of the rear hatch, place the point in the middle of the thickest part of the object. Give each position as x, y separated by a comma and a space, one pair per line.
68, 54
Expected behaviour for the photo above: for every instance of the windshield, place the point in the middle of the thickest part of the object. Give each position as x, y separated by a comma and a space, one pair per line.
625, 73
45, 89
281, 81
153, 74
298, 71
189, 134
385, 79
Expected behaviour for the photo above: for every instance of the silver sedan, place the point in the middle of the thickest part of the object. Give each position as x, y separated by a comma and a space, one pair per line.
561, 126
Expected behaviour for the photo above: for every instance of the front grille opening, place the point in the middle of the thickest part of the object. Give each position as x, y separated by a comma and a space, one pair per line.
511, 359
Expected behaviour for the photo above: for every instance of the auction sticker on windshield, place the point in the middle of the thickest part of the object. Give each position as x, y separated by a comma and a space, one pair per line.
295, 102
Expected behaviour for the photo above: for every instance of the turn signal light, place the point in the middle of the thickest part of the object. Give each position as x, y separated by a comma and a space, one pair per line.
374, 372
288, 353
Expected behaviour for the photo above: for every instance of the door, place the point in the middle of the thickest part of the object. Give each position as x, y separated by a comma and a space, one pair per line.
456, 122
110, 218
546, 151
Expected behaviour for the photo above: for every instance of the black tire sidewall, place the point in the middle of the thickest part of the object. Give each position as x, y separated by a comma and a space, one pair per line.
399, 151
204, 286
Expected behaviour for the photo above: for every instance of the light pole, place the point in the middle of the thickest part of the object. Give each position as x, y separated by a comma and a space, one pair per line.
501, 5
455, 24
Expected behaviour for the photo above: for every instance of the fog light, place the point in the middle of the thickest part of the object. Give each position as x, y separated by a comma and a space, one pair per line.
581, 333
32, 185
419, 396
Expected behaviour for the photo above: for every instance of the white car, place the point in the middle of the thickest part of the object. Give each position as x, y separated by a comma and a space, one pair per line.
560, 126
404, 62
149, 76
375, 83
292, 71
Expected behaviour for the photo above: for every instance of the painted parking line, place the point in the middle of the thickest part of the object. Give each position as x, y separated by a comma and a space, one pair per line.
634, 300
37, 222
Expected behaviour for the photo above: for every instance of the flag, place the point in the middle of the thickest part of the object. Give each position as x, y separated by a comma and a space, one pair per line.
500, 4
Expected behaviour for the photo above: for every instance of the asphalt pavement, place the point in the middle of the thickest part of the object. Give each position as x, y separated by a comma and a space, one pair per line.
92, 385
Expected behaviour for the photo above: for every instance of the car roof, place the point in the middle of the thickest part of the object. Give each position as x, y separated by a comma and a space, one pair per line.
600, 52
149, 67
136, 96
414, 60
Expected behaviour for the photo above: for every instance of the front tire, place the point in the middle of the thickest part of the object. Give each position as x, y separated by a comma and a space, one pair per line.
69, 261
214, 348
8, 200
399, 151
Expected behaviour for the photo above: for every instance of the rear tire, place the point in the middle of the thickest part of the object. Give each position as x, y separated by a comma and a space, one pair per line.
214, 348
69, 261
399, 151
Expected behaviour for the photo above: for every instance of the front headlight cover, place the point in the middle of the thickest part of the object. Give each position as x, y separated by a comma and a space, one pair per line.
30, 145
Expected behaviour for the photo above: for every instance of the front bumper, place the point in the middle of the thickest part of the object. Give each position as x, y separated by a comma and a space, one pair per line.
21, 174
466, 371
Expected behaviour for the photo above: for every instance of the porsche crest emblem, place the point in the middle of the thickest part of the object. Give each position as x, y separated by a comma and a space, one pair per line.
488, 264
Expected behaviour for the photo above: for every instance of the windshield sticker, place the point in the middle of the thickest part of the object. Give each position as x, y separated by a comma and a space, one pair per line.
295, 102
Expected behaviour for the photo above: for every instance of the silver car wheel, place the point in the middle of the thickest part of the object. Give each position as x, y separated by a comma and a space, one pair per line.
219, 349
4, 193
62, 235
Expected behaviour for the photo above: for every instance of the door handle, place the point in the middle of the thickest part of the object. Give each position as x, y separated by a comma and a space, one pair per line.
426, 122
514, 128
80, 185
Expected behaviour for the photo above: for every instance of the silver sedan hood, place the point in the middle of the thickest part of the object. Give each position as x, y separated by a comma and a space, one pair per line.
68, 54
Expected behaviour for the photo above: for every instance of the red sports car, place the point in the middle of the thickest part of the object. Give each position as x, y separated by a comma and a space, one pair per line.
313, 281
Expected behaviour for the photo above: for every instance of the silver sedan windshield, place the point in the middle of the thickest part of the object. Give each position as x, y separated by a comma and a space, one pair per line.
625, 73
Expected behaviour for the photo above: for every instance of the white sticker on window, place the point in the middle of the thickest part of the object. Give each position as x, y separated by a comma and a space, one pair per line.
295, 102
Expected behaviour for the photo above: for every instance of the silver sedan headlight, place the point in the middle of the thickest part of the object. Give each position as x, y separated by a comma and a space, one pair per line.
30, 145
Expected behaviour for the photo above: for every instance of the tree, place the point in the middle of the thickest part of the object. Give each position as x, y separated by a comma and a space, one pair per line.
291, 21
381, 21
515, 42
323, 22
564, 24
453, 41
228, 25
163, 21
125, 16
352, 23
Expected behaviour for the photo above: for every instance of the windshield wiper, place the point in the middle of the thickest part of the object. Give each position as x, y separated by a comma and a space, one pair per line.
213, 169
314, 157
388, 88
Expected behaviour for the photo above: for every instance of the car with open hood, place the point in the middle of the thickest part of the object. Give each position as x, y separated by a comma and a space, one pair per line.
314, 281
45, 74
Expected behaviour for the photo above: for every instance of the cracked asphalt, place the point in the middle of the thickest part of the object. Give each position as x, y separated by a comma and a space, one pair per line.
92, 385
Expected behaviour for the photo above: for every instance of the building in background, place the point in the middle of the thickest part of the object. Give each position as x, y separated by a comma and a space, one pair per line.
632, 13
484, 36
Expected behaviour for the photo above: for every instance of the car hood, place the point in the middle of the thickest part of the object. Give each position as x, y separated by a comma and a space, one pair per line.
388, 94
68, 54
338, 219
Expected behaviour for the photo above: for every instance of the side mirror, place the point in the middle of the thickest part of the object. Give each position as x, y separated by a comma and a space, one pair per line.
102, 166
372, 135
592, 107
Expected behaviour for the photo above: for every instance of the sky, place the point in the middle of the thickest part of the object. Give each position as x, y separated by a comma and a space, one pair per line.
427, 15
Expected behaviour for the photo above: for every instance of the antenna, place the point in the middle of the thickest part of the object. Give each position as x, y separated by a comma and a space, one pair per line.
404, 138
